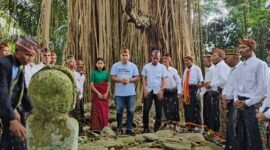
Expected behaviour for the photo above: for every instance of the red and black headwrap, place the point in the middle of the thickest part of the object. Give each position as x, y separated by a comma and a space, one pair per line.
248, 42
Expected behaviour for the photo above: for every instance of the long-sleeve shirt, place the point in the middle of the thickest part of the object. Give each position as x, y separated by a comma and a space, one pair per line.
266, 102
195, 75
251, 80
220, 75
228, 89
28, 73
173, 80
209, 73
81, 84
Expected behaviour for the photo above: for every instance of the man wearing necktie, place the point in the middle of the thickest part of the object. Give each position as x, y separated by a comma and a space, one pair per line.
13, 95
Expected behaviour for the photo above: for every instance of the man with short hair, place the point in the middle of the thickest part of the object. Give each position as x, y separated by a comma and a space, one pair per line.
233, 61
53, 58
12, 105
218, 81
70, 63
45, 59
31, 68
206, 93
250, 84
192, 82
125, 74
3, 49
154, 82
79, 69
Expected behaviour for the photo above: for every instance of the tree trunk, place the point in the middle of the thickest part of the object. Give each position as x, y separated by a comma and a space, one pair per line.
44, 23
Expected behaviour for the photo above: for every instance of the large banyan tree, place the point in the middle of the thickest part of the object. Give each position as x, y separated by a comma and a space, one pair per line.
100, 28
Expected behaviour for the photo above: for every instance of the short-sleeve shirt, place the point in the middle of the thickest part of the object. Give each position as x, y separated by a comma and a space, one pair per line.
154, 74
121, 71
99, 76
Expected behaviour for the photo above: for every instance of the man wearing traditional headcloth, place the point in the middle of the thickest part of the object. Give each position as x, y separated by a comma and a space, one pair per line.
3, 49
192, 81
219, 78
154, 82
250, 84
13, 94
233, 61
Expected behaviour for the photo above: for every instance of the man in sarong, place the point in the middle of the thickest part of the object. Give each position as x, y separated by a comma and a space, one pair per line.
219, 79
192, 81
233, 61
250, 84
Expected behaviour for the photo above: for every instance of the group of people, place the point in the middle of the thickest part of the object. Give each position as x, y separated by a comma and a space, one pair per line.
225, 99
16, 71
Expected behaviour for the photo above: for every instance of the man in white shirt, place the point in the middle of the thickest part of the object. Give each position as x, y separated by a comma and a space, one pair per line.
31, 69
154, 82
192, 81
80, 70
70, 63
206, 93
250, 84
45, 59
233, 61
219, 79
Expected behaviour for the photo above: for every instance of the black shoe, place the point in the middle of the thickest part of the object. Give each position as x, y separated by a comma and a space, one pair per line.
146, 131
130, 132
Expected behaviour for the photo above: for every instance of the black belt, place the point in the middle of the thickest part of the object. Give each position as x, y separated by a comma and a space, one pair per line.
242, 98
170, 90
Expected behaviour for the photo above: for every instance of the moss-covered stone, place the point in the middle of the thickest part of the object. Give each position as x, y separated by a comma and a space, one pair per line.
53, 92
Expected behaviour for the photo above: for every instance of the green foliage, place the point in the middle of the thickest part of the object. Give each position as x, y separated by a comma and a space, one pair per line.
224, 33
24, 16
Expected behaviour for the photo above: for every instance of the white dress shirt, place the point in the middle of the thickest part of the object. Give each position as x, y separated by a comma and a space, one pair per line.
173, 80
209, 73
38, 67
228, 89
251, 80
78, 78
28, 73
195, 75
81, 84
220, 75
266, 102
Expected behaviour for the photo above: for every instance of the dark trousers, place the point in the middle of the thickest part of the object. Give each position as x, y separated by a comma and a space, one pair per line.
78, 113
10, 141
211, 110
247, 129
230, 134
147, 104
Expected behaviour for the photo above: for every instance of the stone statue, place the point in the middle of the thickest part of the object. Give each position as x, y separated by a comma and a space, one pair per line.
53, 93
